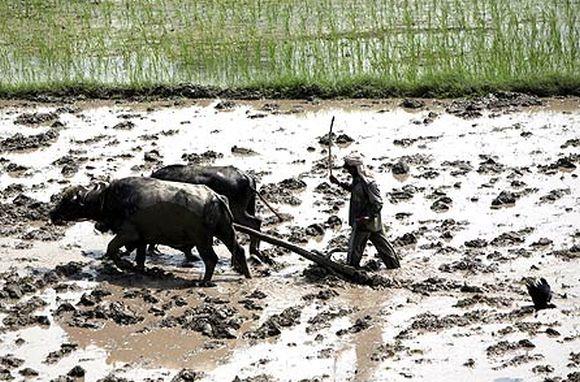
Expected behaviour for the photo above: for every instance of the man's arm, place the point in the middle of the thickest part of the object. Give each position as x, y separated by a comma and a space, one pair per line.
344, 185
374, 195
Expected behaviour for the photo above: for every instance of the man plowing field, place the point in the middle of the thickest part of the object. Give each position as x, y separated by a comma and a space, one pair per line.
365, 215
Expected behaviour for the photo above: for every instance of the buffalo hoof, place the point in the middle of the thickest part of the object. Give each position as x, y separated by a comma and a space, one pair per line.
124, 253
192, 259
153, 251
261, 258
187, 264
243, 270
122, 264
255, 260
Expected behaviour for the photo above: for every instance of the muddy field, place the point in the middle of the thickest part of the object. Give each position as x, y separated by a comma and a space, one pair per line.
479, 196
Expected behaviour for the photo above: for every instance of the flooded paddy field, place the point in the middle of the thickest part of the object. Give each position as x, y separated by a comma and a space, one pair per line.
479, 196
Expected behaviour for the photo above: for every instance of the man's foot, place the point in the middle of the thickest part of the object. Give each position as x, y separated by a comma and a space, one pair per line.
207, 284
391, 263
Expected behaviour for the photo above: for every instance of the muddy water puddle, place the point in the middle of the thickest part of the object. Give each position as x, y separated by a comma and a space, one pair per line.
473, 205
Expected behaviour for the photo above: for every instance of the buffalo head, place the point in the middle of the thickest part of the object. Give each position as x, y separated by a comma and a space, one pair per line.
70, 205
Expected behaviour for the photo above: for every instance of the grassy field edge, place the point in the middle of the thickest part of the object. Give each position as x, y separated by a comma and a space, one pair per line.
356, 87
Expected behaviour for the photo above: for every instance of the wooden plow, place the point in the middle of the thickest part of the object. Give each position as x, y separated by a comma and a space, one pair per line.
344, 271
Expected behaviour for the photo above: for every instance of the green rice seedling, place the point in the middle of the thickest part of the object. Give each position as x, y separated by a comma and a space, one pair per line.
392, 47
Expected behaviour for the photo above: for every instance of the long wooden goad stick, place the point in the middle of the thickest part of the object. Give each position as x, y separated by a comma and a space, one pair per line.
330, 147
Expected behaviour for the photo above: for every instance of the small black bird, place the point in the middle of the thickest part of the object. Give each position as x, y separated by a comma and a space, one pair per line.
541, 294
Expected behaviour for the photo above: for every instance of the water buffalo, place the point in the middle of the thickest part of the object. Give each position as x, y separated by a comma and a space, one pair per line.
237, 186
143, 211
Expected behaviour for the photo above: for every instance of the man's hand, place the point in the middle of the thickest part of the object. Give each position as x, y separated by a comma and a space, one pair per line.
333, 179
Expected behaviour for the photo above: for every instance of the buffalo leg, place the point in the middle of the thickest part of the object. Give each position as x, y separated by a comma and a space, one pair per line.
115, 245
189, 256
244, 216
254, 223
228, 236
129, 248
152, 249
210, 260
140, 258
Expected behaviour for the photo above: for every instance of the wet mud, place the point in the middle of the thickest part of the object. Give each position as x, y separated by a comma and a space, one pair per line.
481, 195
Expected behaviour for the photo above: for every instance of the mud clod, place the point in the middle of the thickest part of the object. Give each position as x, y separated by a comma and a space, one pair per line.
257, 378
468, 264
359, 325
187, 375
55, 356
503, 199
554, 195
113, 378
225, 105
387, 351
242, 150
28, 372
76, 372
35, 118
115, 311
206, 157
405, 240
503, 347
510, 238
125, 125
5, 375
19, 142
220, 322
476, 243
412, 103
543, 369
400, 168
283, 192
323, 295
341, 139
11, 362
442, 204
499, 101
274, 325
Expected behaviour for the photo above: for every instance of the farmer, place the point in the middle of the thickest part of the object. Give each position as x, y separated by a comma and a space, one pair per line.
365, 214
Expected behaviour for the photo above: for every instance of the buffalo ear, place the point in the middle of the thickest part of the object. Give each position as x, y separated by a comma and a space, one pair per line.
100, 186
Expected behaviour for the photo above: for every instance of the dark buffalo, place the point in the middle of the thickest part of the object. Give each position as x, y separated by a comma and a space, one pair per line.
143, 211
237, 186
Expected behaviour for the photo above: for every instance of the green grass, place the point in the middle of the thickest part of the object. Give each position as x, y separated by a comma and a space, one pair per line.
289, 47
